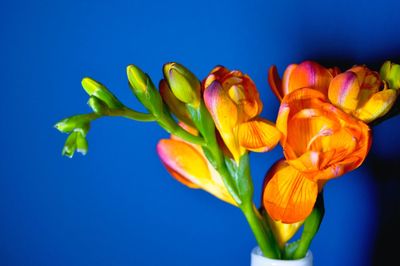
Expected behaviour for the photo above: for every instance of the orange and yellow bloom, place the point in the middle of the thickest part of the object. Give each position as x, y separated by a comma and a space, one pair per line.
187, 163
320, 142
358, 92
234, 104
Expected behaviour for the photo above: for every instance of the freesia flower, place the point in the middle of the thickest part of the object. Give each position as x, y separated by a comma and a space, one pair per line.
320, 142
234, 104
307, 74
358, 92
187, 163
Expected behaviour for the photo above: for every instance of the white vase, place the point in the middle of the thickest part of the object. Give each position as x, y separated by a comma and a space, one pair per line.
257, 259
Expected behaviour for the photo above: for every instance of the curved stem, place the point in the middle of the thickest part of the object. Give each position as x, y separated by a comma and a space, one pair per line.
131, 114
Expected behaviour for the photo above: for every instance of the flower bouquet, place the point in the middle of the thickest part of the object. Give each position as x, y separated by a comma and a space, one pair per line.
323, 125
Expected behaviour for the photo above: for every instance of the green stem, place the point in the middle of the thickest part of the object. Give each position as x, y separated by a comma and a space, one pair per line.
263, 236
131, 114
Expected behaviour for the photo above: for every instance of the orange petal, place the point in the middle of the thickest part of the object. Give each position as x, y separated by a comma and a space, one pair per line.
289, 196
378, 105
285, 79
184, 161
189, 166
344, 90
308, 74
258, 135
275, 82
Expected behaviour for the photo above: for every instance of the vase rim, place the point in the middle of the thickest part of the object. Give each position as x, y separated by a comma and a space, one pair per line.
257, 256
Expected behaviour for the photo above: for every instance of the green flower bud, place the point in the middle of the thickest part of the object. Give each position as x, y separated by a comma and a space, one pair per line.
81, 144
144, 90
76, 141
176, 107
98, 106
94, 88
71, 123
70, 145
183, 83
390, 72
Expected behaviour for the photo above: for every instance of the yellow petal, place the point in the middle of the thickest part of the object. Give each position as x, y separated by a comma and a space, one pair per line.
378, 105
344, 90
258, 135
284, 232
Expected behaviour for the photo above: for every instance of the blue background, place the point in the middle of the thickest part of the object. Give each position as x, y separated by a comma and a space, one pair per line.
118, 205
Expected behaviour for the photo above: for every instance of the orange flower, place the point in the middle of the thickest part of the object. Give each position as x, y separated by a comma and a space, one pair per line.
357, 92
308, 74
320, 142
187, 163
234, 104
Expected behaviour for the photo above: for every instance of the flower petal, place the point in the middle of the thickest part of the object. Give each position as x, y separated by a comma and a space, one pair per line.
283, 231
288, 196
188, 165
225, 115
258, 135
344, 90
378, 105
183, 161
308, 74
275, 82
285, 79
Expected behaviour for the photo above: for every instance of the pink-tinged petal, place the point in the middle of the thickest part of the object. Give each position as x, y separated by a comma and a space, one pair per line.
289, 196
187, 164
258, 135
225, 115
275, 82
308, 75
184, 161
344, 90
378, 105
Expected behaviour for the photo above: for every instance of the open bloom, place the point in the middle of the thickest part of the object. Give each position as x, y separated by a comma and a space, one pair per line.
187, 163
307, 74
234, 104
358, 92
320, 142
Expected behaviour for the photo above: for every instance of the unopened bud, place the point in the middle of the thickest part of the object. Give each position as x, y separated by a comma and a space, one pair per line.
183, 83
144, 90
390, 72
94, 88
98, 106
175, 106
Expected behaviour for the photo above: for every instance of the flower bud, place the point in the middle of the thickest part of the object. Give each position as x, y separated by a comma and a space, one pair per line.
76, 141
81, 144
175, 106
390, 72
144, 90
183, 83
71, 123
98, 106
94, 88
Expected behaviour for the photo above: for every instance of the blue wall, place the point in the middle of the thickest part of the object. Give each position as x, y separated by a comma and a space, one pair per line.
118, 205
